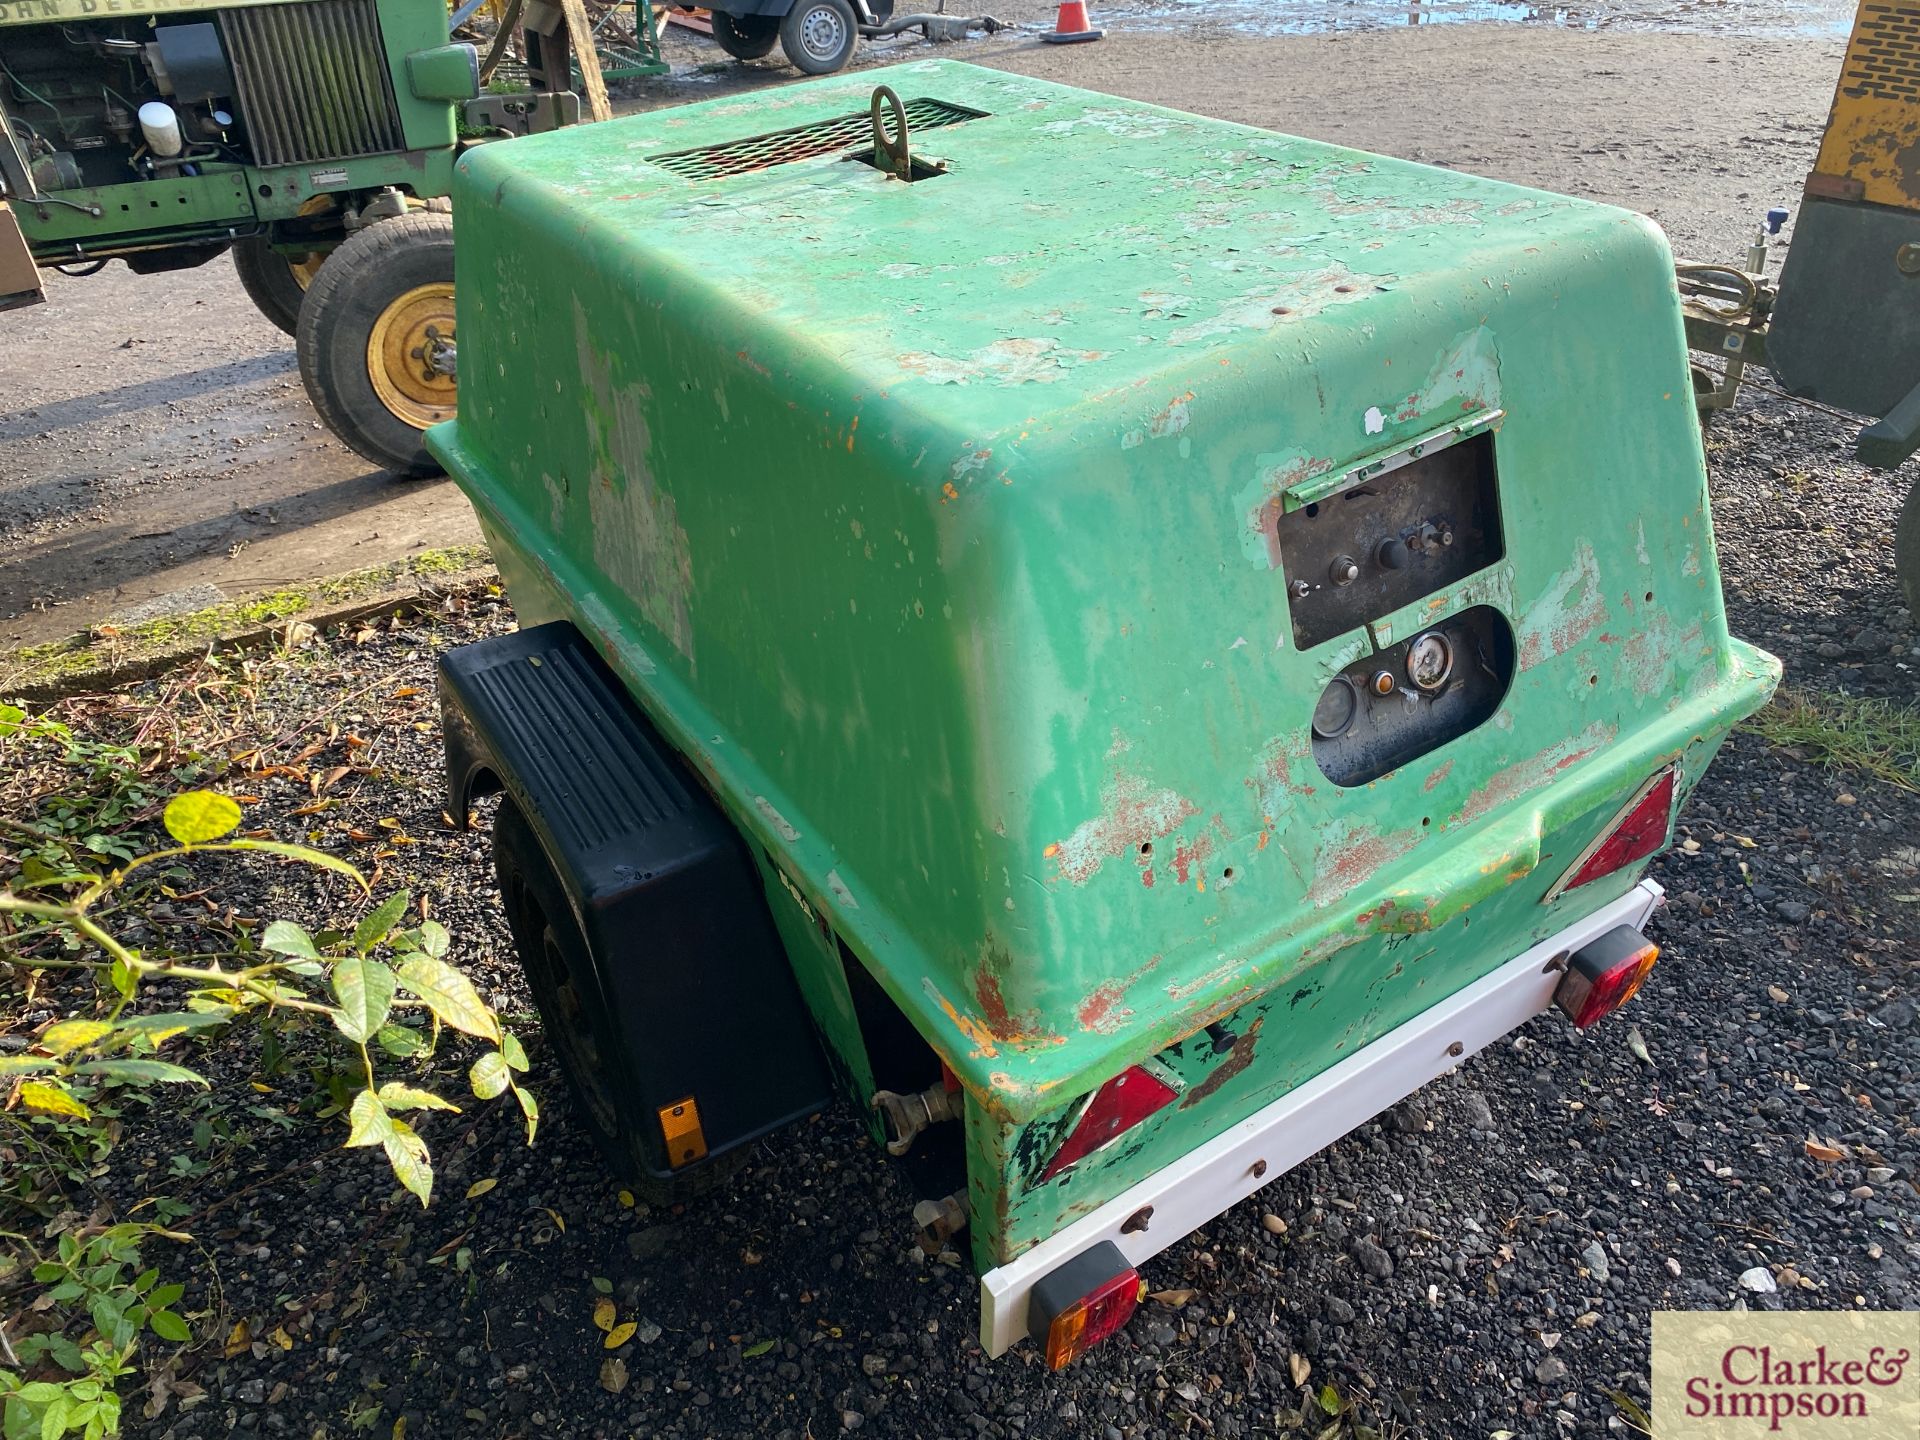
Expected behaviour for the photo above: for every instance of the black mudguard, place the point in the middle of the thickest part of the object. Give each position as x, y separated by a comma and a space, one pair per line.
682, 942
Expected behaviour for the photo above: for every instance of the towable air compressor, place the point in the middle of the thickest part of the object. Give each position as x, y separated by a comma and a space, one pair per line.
1118, 644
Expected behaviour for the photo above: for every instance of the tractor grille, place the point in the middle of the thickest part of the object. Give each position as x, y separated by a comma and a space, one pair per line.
803, 142
1884, 60
312, 81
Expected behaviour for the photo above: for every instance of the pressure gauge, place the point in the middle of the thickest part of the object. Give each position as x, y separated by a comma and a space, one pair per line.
1430, 661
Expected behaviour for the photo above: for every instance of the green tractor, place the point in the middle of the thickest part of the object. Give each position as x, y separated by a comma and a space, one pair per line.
312, 139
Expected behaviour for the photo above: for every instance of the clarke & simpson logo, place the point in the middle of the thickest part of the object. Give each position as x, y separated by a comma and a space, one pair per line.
1820, 1373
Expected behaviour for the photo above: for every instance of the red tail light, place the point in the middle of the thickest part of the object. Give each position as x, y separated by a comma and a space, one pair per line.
1112, 1110
1640, 829
1604, 974
1073, 1308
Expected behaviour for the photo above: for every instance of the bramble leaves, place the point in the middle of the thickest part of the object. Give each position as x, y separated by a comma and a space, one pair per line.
365, 991
197, 816
489, 1075
382, 986
50, 1097
379, 921
70, 1035
450, 995
311, 856
370, 1122
141, 1072
397, 1096
283, 937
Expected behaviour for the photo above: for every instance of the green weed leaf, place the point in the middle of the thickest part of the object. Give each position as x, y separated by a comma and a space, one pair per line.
364, 989
510, 1047
283, 937
407, 1153
197, 816
145, 1072
71, 1035
450, 995
169, 1326
370, 1122
489, 1075
374, 927
397, 1096
304, 853
401, 1042
50, 1097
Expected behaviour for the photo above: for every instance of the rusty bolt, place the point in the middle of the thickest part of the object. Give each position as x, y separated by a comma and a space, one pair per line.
1259, 1169
1456, 1049
1137, 1221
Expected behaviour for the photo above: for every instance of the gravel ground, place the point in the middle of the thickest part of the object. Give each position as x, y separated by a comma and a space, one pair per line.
1482, 1258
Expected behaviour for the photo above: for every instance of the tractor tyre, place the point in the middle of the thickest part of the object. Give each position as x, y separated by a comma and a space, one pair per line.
370, 330
819, 35
1906, 549
585, 1038
745, 37
276, 283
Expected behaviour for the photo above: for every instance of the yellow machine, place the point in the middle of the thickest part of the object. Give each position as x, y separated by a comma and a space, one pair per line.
1869, 150
1842, 325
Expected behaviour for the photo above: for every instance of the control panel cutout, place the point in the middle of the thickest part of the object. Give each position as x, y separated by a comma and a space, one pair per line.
1414, 523
1410, 699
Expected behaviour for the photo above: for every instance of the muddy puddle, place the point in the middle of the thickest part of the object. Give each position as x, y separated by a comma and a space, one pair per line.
1760, 18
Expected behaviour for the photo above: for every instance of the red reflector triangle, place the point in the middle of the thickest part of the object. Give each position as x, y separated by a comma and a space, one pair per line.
1640, 832
1117, 1106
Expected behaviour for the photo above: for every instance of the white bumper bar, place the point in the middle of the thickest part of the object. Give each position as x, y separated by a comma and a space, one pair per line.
1204, 1182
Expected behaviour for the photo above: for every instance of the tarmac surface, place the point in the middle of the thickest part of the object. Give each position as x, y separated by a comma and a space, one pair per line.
160, 454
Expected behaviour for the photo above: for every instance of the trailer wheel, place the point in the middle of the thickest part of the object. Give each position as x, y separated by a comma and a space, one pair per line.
276, 283
1906, 548
583, 1034
819, 35
745, 37
372, 328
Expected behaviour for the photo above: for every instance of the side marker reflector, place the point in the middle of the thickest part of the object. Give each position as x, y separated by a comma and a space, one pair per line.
686, 1141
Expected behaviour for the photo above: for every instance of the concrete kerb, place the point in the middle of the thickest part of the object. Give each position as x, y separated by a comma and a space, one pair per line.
110, 654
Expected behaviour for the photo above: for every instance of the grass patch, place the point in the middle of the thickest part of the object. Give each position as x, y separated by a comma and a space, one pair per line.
1875, 738
109, 646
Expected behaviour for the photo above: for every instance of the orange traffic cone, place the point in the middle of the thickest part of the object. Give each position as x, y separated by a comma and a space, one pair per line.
1072, 25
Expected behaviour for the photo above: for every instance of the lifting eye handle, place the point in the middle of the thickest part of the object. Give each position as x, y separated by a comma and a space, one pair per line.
890, 153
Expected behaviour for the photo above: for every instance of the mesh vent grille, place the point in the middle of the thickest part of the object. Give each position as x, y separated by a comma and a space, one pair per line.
1883, 63
803, 142
313, 81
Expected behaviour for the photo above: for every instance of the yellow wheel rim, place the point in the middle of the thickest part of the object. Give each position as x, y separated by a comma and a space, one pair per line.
306, 267
401, 352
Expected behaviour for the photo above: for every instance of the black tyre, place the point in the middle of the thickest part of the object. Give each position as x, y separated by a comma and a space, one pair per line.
745, 37
578, 1027
370, 330
1906, 548
276, 283
819, 35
